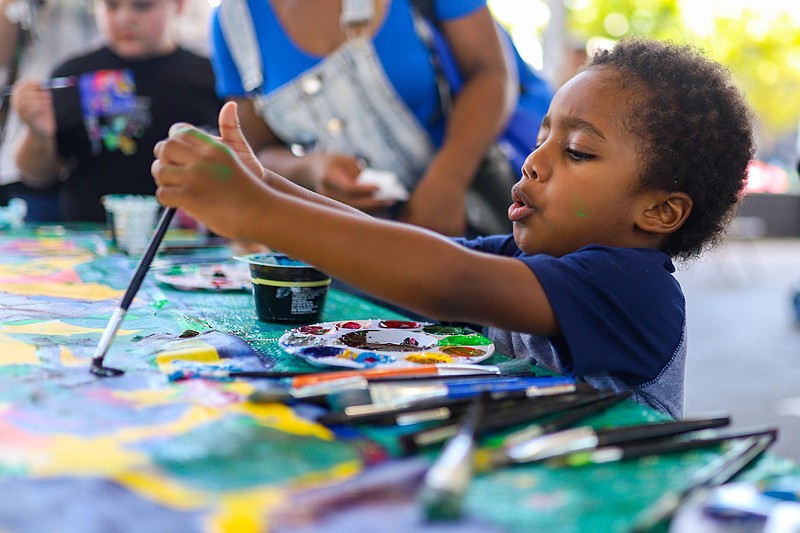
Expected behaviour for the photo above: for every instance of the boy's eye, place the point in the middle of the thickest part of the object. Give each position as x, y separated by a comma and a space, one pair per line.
142, 7
577, 155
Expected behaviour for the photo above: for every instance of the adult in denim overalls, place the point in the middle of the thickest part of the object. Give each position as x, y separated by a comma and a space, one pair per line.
347, 94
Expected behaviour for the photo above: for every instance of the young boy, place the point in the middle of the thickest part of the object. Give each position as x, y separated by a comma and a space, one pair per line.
641, 158
97, 134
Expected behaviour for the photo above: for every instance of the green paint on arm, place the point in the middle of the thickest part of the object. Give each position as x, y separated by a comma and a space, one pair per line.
218, 171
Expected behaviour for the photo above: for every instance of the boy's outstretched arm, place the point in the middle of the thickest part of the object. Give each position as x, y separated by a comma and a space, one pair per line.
216, 182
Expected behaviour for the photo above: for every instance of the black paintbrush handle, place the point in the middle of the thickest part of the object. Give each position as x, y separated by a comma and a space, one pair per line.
577, 414
147, 258
651, 431
668, 445
519, 413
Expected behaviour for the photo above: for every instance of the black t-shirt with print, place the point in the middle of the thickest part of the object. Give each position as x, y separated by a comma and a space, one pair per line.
108, 124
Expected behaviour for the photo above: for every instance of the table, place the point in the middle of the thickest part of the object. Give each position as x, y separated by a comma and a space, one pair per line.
143, 453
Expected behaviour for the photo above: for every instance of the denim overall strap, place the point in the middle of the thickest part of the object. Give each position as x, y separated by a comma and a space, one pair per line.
347, 105
234, 18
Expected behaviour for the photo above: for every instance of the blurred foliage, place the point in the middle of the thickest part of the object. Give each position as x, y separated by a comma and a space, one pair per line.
762, 51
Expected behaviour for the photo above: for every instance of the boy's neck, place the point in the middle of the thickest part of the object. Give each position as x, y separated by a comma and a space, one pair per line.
160, 52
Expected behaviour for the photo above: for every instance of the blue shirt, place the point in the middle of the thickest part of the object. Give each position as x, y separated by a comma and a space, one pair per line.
622, 315
403, 55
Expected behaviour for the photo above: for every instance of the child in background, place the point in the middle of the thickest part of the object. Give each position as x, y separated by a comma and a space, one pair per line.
97, 136
641, 158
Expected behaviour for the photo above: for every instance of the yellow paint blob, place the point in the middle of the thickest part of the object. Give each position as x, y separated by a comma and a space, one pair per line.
163, 490
55, 328
283, 418
78, 291
14, 352
97, 456
196, 351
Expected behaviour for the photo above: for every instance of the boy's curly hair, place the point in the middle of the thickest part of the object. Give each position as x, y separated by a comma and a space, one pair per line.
696, 131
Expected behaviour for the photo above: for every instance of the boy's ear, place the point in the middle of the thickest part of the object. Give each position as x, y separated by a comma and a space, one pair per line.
665, 212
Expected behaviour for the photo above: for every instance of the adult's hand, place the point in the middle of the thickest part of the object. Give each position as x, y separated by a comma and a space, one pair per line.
334, 176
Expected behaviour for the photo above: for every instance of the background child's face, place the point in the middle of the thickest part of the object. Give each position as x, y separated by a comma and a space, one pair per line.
137, 29
581, 184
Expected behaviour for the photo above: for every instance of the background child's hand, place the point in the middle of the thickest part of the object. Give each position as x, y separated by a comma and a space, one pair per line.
34, 106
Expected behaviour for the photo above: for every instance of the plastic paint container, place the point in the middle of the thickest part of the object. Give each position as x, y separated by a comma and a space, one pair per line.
131, 219
286, 290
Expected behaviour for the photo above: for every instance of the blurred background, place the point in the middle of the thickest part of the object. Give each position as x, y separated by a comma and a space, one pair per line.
743, 306
759, 40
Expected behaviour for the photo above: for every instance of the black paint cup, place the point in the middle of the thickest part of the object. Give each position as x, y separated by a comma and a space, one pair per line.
286, 290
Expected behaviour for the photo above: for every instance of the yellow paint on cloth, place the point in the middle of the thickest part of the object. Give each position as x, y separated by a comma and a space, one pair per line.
245, 511
67, 358
194, 350
164, 490
55, 328
14, 352
85, 456
60, 269
283, 418
77, 291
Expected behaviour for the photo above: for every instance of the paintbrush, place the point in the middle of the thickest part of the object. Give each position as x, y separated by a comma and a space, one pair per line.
53, 83
519, 413
299, 380
447, 480
399, 394
586, 438
114, 323
745, 450
441, 409
495, 455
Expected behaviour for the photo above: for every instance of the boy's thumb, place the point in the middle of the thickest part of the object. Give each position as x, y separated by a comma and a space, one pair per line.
229, 127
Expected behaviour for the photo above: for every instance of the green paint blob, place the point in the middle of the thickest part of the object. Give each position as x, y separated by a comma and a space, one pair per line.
465, 340
443, 330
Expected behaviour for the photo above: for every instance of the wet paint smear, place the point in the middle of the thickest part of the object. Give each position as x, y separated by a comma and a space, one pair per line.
462, 351
321, 351
368, 359
349, 325
429, 358
444, 330
465, 340
399, 324
359, 339
314, 330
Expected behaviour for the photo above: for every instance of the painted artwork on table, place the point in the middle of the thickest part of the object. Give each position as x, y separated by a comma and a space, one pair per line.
137, 452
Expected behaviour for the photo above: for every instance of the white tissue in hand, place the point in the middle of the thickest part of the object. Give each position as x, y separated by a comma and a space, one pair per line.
389, 186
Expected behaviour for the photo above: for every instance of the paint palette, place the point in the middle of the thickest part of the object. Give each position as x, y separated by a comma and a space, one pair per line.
233, 276
374, 343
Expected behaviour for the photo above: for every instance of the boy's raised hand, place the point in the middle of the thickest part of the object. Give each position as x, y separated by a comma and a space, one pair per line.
231, 134
210, 177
